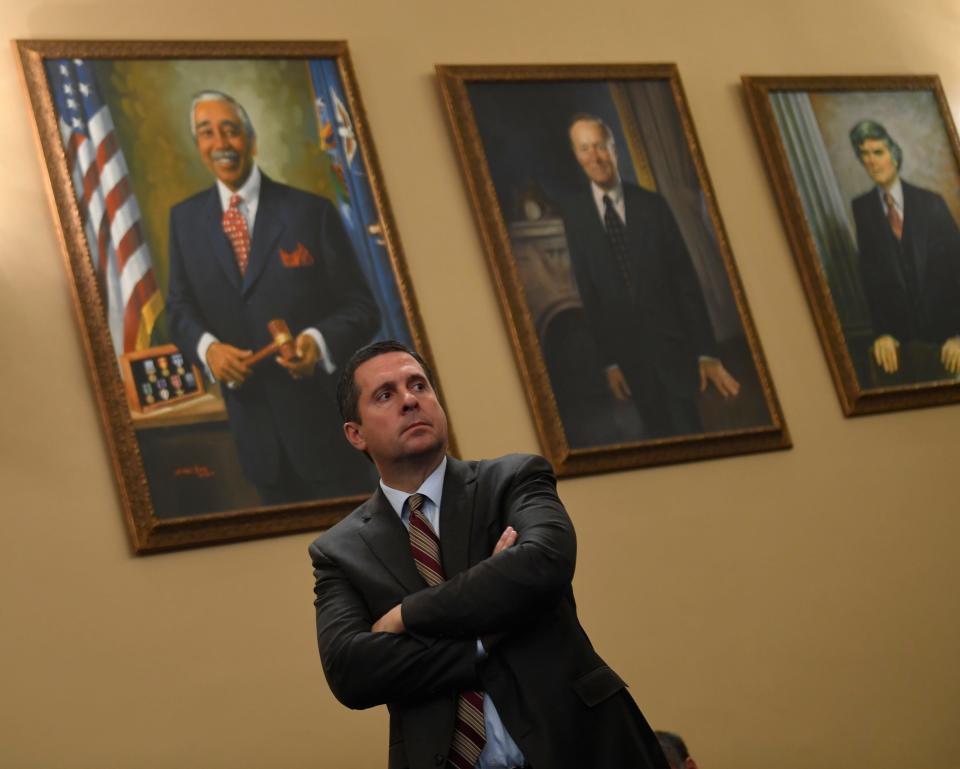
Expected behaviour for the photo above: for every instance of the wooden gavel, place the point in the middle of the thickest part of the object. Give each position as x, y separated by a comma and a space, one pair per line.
282, 343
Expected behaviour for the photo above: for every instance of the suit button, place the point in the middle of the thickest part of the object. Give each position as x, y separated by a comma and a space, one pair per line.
439, 760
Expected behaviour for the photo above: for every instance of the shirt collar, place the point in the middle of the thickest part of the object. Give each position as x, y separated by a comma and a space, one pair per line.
896, 191
250, 191
615, 195
431, 488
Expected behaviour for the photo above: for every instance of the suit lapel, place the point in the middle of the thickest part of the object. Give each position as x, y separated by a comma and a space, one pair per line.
636, 215
389, 540
596, 233
266, 232
219, 245
456, 516
913, 230
387, 537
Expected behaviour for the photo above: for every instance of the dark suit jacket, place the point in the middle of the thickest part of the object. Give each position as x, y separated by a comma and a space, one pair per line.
325, 290
560, 702
932, 244
657, 332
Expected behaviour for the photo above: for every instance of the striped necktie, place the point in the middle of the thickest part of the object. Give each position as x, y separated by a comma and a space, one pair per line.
469, 733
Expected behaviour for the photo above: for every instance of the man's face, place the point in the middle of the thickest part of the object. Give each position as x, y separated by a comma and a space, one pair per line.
876, 158
595, 153
224, 145
400, 416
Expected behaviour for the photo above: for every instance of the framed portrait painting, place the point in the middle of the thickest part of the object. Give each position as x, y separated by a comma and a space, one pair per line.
865, 171
230, 245
616, 278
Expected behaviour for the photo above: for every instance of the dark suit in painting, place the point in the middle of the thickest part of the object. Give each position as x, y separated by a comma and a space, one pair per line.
655, 326
301, 269
564, 707
912, 285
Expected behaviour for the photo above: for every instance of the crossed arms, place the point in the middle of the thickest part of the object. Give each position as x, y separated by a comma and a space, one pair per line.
392, 621
426, 645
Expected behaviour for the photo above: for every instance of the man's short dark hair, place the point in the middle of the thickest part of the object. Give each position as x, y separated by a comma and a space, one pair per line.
673, 748
348, 394
870, 129
588, 118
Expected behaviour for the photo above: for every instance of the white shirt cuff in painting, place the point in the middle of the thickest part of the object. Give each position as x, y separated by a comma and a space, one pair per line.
326, 363
202, 347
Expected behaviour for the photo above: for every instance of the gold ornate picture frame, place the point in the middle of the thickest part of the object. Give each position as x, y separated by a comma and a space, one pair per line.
632, 335
141, 140
882, 279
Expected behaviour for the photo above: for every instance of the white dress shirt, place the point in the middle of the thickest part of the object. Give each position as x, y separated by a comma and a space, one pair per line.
616, 197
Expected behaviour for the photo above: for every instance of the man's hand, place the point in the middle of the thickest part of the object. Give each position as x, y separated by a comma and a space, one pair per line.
308, 355
617, 383
950, 355
507, 539
228, 363
885, 353
391, 622
712, 370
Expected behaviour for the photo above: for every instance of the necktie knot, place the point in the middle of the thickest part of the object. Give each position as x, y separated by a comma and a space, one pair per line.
415, 502
610, 210
424, 543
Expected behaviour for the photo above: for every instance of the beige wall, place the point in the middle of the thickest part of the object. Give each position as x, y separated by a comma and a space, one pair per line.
796, 609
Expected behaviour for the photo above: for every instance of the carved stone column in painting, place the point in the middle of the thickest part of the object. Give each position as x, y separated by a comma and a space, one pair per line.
543, 261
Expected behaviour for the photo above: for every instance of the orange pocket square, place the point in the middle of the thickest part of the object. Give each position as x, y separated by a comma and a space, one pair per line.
299, 257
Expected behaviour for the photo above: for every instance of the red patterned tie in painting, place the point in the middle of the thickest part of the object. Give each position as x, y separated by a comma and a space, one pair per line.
469, 734
235, 228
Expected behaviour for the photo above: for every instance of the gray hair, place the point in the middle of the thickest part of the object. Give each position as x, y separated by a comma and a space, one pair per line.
211, 95
870, 129
588, 118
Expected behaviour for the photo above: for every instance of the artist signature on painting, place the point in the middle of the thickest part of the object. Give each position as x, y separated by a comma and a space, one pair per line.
199, 471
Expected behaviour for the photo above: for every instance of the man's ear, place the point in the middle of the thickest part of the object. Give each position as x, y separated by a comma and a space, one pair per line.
354, 435
690, 763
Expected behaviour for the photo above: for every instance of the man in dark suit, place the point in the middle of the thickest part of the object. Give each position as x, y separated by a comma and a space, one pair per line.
640, 293
476, 649
244, 252
909, 249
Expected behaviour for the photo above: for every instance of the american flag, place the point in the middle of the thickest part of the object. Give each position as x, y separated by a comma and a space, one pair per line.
108, 207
